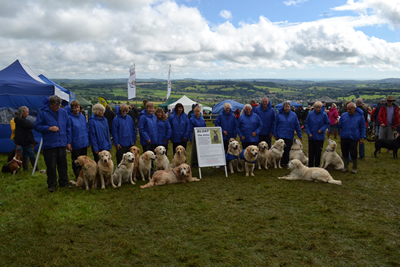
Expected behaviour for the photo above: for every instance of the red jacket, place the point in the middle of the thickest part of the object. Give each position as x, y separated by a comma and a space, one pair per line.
382, 117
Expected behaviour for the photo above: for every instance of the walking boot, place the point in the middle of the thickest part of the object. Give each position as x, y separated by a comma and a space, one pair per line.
33, 164
25, 164
346, 165
335, 133
354, 166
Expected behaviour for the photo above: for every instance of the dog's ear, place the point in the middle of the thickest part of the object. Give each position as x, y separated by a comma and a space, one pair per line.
146, 156
155, 150
183, 150
189, 171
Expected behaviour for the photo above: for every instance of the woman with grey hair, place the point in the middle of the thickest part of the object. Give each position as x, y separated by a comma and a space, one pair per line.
286, 123
99, 133
24, 137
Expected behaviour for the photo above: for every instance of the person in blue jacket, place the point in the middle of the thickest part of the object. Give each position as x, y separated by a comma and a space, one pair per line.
54, 125
248, 127
180, 127
78, 137
316, 124
267, 116
352, 125
195, 121
164, 128
99, 133
123, 132
148, 128
286, 123
227, 121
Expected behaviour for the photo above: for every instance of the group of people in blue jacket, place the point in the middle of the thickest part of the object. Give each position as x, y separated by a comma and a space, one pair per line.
67, 129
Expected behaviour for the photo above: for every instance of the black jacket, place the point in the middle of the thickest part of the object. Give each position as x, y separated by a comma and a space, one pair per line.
23, 132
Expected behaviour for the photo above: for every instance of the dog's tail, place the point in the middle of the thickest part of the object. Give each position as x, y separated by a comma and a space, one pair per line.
337, 182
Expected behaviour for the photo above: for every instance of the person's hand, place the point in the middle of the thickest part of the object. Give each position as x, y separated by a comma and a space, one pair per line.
149, 141
337, 122
96, 152
53, 129
276, 137
225, 133
301, 139
310, 135
69, 147
319, 131
184, 139
361, 141
242, 137
165, 141
118, 147
382, 124
254, 134
270, 135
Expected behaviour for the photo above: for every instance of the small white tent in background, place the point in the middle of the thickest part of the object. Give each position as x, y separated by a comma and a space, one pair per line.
187, 104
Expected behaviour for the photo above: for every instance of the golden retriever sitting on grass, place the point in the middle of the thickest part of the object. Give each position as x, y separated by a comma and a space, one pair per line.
179, 156
249, 157
88, 173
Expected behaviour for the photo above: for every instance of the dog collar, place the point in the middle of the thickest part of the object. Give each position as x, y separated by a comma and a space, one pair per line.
242, 157
275, 148
327, 150
295, 149
19, 162
121, 164
175, 174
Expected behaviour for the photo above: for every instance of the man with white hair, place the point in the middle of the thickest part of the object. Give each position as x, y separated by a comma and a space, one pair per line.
249, 127
227, 121
267, 116
352, 124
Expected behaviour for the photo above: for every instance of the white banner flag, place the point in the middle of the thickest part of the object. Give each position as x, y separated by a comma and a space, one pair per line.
169, 82
132, 82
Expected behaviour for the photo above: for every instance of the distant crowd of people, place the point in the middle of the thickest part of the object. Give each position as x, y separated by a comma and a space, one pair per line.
67, 129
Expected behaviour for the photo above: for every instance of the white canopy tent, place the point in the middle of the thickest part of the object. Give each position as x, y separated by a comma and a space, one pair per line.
187, 104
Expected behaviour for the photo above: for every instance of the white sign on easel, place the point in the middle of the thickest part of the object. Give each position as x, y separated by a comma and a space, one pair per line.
210, 147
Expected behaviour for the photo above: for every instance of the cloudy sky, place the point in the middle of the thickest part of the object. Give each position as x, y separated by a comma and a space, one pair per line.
205, 39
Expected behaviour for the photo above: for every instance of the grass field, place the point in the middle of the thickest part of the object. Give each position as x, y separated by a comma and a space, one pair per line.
219, 221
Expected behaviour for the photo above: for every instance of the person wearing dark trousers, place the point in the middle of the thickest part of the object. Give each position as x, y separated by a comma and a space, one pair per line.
109, 115
316, 124
148, 130
24, 137
53, 123
195, 121
359, 104
227, 121
133, 112
99, 134
267, 115
352, 125
180, 127
286, 123
78, 137
249, 127
164, 128
124, 132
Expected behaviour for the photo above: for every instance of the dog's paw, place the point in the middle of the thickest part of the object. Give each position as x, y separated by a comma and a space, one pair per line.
252, 174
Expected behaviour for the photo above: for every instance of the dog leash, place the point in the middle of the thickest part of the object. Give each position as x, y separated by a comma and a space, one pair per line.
175, 174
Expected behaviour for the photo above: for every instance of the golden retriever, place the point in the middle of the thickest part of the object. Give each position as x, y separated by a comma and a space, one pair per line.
301, 172
162, 162
275, 154
123, 173
179, 156
89, 172
249, 157
232, 156
136, 152
180, 174
145, 162
105, 168
330, 158
296, 152
262, 160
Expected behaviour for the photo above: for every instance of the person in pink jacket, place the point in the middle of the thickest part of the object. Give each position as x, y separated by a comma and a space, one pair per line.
333, 115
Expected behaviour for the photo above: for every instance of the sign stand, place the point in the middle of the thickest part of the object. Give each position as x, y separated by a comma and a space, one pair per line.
210, 147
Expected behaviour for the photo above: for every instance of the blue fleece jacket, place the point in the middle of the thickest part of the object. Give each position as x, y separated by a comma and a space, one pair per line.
247, 124
123, 130
286, 124
180, 127
352, 126
148, 128
99, 133
267, 117
47, 118
195, 122
227, 122
164, 132
317, 121
78, 137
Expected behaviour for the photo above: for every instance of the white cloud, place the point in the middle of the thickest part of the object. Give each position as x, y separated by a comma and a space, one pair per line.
91, 39
293, 2
226, 14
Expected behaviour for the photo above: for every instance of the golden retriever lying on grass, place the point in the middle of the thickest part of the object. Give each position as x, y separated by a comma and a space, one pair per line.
181, 174
301, 172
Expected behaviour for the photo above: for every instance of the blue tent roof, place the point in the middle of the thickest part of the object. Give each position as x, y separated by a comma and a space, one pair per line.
294, 104
48, 81
218, 108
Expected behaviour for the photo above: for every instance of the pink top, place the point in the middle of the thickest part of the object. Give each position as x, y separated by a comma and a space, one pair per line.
333, 114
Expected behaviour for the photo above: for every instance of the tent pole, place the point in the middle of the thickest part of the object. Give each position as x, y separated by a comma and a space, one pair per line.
37, 156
